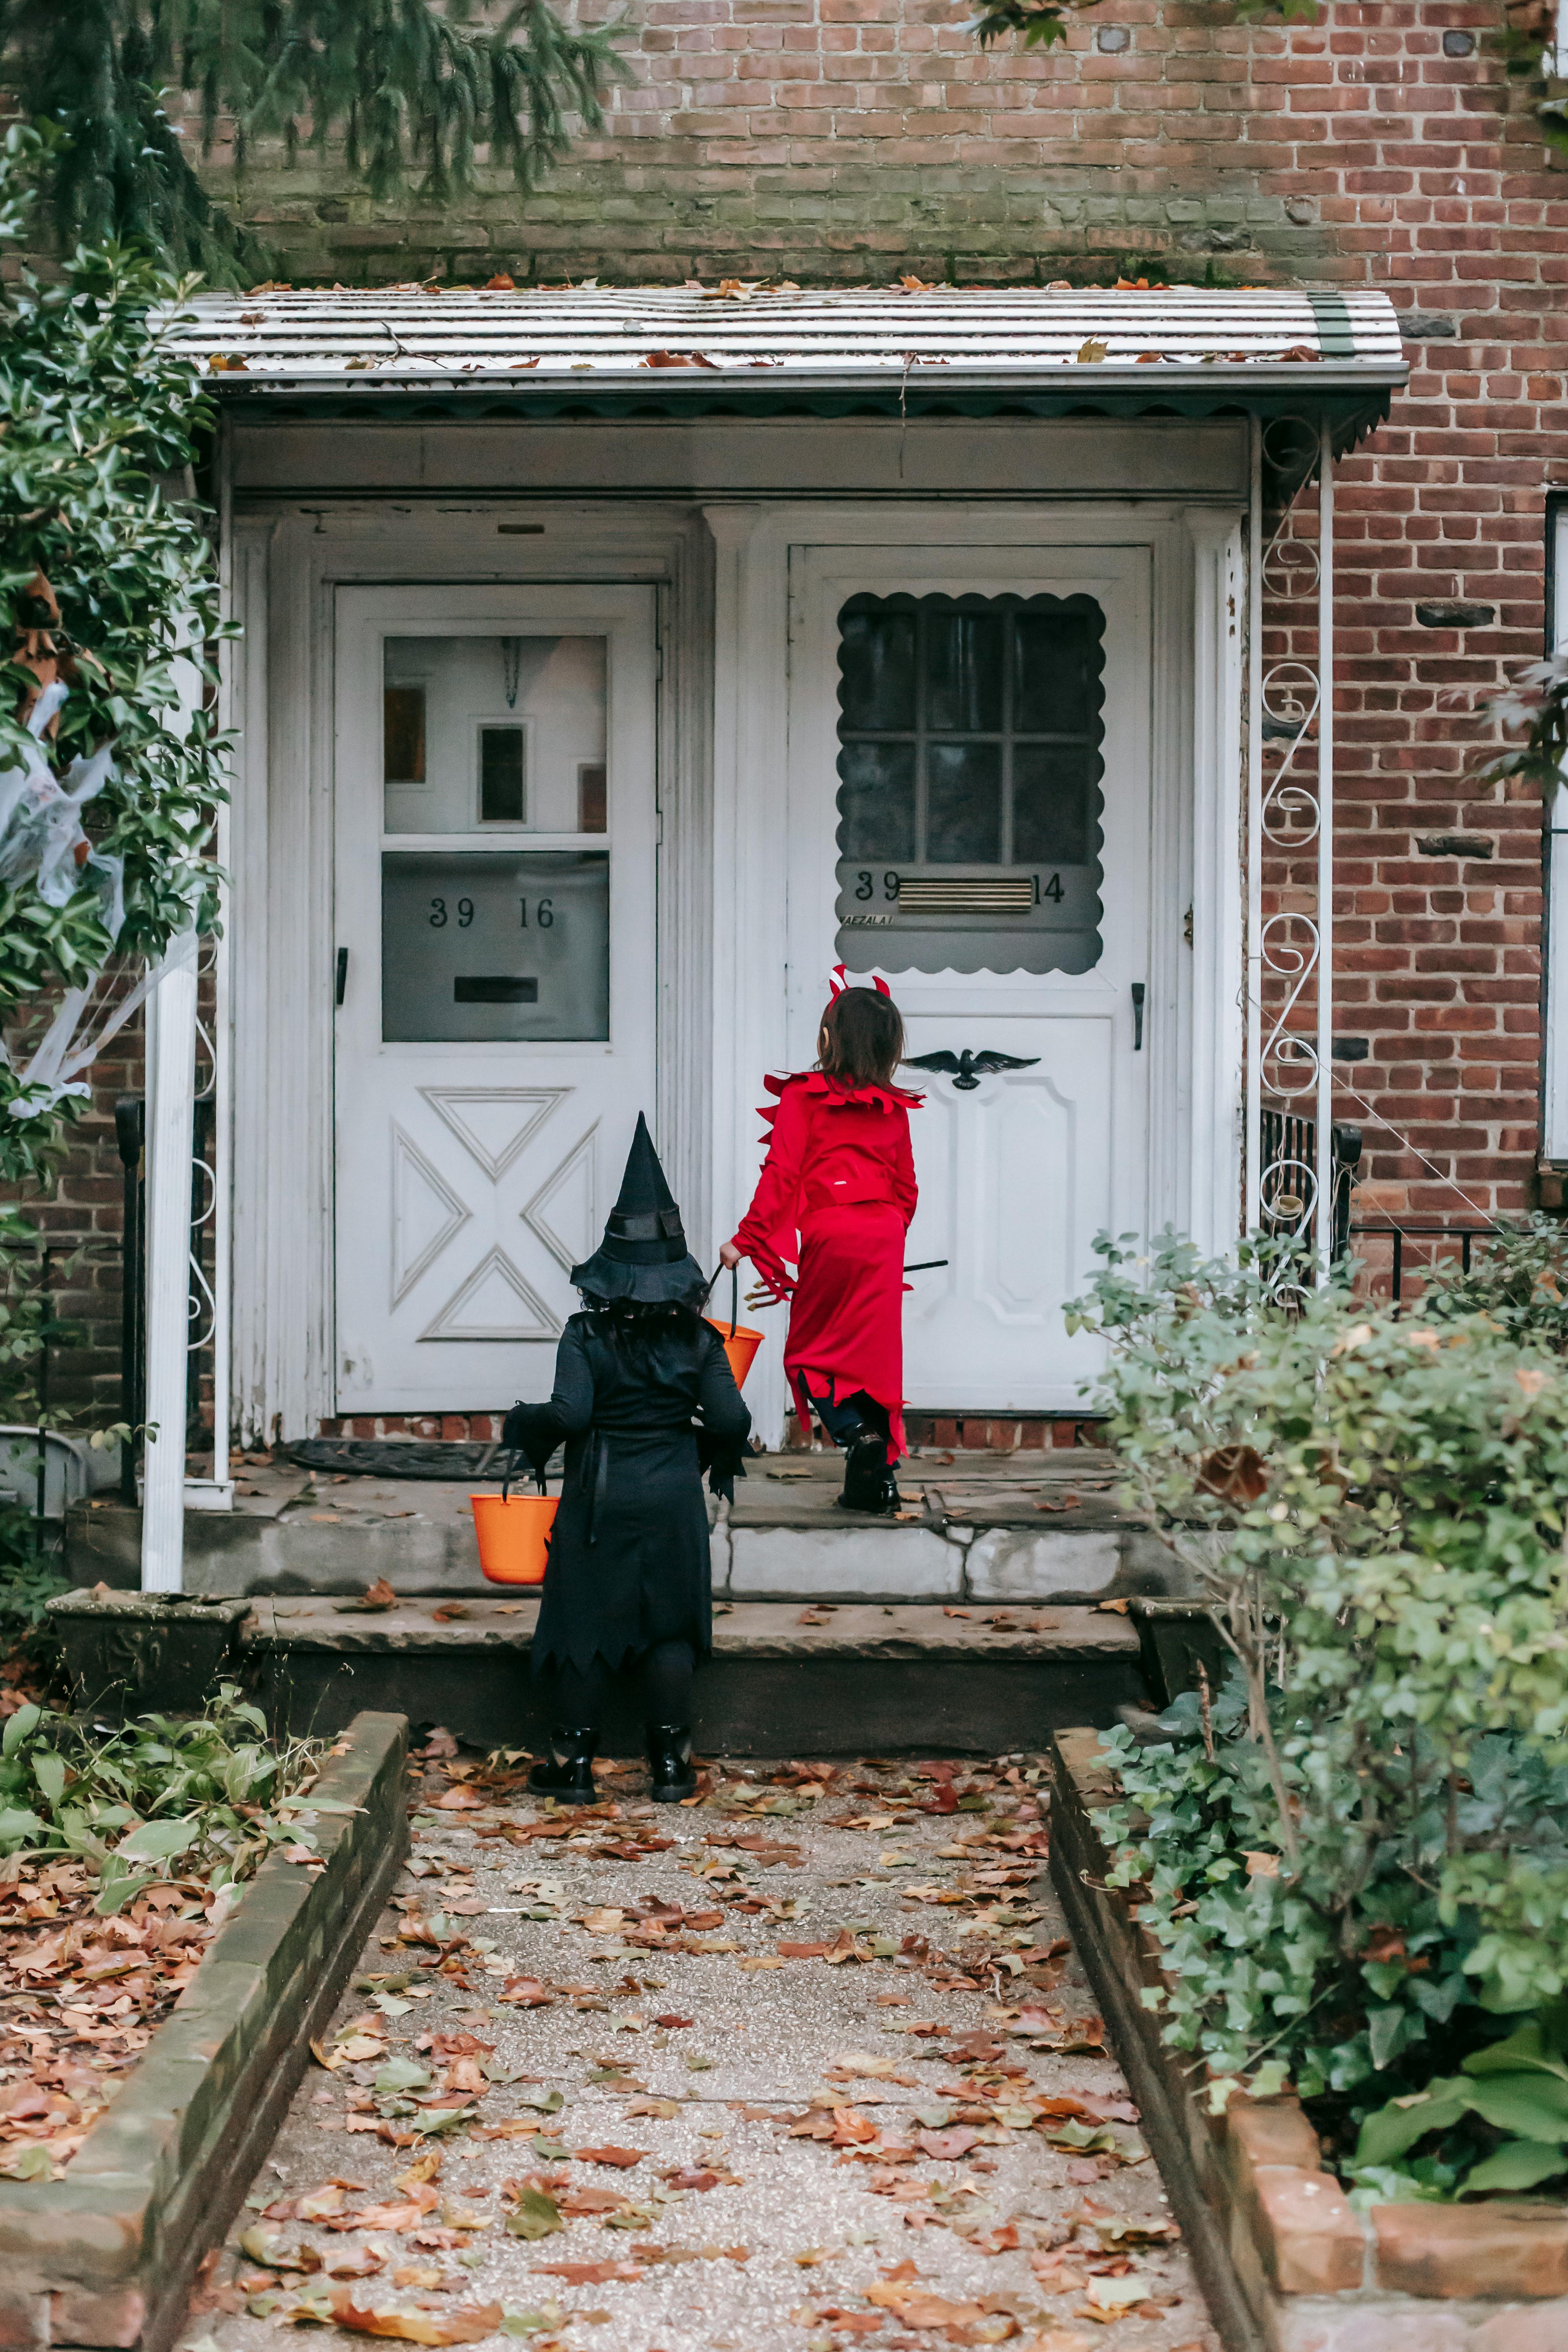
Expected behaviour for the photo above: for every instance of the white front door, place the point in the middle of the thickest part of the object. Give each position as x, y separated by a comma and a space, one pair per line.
496, 832
970, 802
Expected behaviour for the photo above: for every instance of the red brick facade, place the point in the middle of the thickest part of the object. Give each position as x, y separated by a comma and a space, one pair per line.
848, 140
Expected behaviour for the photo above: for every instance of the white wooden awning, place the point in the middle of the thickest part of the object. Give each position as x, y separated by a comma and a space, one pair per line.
1178, 347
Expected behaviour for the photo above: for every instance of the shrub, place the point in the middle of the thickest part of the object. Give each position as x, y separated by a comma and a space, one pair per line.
1366, 1839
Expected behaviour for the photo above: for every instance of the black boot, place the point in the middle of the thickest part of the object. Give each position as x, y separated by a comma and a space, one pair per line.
868, 1482
568, 1770
670, 1763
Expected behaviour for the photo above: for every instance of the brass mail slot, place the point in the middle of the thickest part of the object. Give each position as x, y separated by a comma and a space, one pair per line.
989, 894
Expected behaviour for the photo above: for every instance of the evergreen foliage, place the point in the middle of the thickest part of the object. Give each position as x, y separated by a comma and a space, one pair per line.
413, 90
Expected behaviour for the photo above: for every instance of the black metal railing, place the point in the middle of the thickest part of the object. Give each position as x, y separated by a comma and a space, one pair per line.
1465, 1235
130, 1140
1287, 1158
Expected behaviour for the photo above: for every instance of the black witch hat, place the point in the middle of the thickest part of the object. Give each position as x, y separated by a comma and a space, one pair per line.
643, 1252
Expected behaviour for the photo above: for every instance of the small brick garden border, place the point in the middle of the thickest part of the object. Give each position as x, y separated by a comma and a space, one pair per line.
105, 2256
1287, 2264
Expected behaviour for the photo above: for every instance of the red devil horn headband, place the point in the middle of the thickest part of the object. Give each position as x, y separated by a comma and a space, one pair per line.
838, 980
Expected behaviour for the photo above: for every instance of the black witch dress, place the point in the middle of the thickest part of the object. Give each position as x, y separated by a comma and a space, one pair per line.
629, 1563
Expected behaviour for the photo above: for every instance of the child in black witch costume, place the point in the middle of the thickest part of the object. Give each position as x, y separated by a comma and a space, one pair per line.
628, 1576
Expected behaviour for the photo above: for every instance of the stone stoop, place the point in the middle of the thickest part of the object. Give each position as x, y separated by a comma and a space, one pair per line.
783, 1680
977, 1527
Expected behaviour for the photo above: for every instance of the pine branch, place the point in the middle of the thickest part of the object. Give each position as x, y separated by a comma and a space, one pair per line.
414, 91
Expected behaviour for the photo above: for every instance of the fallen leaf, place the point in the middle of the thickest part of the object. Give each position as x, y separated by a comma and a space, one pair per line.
623, 2156
379, 1595
534, 2215
468, 2324
589, 2273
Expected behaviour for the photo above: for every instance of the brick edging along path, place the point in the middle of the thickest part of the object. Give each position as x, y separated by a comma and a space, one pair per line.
105, 2256
1285, 2259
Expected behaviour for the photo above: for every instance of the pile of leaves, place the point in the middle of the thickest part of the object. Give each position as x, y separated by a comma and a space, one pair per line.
124, 1853
1355, 1854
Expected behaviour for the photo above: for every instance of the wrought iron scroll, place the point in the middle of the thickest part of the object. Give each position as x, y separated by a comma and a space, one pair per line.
1292, 1188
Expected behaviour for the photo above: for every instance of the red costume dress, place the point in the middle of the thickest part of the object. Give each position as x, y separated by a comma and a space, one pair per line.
836, 1196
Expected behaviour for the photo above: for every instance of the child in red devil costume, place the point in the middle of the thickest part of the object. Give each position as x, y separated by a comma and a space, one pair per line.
836, 1195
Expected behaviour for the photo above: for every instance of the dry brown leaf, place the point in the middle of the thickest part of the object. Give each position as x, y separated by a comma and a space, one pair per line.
468, 2324
379, 1595
625, 2157
590, 2274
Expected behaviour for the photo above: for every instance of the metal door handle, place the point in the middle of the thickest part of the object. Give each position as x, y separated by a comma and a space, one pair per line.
343, 974
1138, 994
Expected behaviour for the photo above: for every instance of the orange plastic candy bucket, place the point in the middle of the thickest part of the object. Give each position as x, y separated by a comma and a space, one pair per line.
741, 1343
514, 1535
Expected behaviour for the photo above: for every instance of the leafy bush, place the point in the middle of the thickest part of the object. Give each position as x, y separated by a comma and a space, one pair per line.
1518, 1276
1359, 1861
210, 1790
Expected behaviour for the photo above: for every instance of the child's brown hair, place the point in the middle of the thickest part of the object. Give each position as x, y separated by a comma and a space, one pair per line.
862, 1038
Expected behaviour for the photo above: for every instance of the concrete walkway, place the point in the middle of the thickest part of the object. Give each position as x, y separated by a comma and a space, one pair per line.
804, 2064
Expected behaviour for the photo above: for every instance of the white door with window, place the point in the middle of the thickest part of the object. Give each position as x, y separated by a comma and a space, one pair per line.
496, 845
970, 807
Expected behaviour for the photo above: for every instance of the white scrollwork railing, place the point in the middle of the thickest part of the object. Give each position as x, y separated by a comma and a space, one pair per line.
1290, 825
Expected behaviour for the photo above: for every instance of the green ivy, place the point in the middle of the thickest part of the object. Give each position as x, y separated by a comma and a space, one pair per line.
98, 426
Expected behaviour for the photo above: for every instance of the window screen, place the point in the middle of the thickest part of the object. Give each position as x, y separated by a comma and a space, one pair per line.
969, 768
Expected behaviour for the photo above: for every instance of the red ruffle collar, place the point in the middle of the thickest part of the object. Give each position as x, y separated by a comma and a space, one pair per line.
840, 1096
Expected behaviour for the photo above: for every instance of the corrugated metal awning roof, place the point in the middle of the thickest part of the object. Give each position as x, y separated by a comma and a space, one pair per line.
692, 347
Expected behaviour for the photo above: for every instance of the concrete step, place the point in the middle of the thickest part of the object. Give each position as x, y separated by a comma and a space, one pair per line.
1020, 1528
911, 1679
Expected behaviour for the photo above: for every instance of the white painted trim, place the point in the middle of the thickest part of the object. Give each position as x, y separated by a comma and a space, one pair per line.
1555, 1091
171, 1097
1219, 883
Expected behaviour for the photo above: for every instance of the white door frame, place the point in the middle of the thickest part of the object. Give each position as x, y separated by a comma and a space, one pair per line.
1196, 558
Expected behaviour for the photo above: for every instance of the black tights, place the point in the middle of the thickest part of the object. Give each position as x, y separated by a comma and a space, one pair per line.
851, 1417
665, 1673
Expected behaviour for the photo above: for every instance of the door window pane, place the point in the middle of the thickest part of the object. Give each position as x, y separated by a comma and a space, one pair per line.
963, 672
964, 804
496, 946
877, 658
1053, 789
969, 772
1056, 669
491, 730
877, 800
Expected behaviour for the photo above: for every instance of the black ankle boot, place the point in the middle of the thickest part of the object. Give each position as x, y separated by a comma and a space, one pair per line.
869, 1483
568, 1770
670, 1763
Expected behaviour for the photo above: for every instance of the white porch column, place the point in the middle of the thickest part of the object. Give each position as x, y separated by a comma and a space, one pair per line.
171, 1095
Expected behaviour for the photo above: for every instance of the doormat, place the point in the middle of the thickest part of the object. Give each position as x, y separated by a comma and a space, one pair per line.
401, 1457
